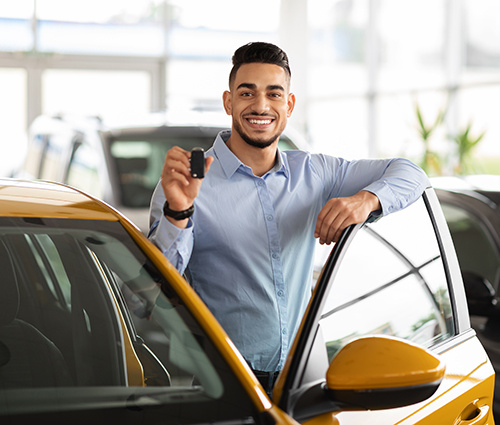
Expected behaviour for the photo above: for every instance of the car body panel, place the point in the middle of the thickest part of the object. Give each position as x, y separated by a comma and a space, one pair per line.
39, 199
472, 208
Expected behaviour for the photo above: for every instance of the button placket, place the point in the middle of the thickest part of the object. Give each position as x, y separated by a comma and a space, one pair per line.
277, 266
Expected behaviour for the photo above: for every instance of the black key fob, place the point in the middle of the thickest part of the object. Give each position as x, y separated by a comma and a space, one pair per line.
197, 163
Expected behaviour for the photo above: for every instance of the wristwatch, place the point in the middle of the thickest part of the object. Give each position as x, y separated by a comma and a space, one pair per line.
177, 215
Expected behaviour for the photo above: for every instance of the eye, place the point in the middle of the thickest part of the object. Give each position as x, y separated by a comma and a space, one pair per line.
275, 95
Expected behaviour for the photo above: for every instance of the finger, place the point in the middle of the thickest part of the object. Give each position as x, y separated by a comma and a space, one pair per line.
176, 163
336, 215
208, 162
326, 219
332, 232
171, 176
320, 219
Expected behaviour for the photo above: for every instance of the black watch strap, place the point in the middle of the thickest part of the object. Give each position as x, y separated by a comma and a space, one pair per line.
177, 215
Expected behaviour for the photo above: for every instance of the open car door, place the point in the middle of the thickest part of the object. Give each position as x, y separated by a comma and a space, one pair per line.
386, 337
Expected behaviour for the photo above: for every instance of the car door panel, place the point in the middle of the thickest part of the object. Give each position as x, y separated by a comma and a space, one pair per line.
396, 277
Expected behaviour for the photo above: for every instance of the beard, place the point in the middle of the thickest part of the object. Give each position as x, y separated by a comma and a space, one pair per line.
255, 142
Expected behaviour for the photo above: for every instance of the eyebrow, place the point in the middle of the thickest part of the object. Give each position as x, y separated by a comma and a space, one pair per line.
252, 86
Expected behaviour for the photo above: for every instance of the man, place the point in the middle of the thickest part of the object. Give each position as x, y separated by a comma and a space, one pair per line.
247, 233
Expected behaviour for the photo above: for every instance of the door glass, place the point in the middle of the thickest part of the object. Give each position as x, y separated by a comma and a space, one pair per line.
475, 248
139, 160
83, 171
391, 281
53, 151
98, 327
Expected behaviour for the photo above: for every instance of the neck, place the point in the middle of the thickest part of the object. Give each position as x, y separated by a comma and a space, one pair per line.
258, 159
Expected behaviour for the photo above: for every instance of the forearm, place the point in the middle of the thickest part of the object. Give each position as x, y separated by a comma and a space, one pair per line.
174, 242
401, 183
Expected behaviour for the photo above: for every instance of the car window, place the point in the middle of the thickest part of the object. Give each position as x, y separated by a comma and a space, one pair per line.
139, 162
83, 170
53, 156
285, 144
34, 155
391, 281
476, 251
97, 319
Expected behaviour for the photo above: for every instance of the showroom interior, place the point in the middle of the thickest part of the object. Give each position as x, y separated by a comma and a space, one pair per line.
363, 70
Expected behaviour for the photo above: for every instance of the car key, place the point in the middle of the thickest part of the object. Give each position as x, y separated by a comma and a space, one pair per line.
197, 163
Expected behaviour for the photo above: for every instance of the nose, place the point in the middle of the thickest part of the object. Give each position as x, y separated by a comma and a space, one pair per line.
260, 104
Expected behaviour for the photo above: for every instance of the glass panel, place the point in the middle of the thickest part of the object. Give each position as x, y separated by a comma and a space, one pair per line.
188, 89
482, 32
54, 151
397, 125
15, 25
339, 127
412, 43
97, 319
477, 106
13, 112
113, 27
475, 248
83, 171
139, 159
108, 94
391, 281
337, 47
227, 16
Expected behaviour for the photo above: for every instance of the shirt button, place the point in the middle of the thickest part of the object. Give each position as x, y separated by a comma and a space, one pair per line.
269, 218
261, 183
275, 256
280, 293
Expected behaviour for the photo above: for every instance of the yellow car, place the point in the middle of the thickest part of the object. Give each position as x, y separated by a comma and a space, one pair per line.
97, 327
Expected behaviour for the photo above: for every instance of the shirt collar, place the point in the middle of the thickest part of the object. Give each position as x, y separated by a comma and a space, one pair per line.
230, 162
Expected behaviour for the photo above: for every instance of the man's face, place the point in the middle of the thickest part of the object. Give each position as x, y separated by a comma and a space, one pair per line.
260, 103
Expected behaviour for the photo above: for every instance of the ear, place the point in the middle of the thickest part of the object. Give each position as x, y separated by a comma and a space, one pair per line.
291, 104
226, 100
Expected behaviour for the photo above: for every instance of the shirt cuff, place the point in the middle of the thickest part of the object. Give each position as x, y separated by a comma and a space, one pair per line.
171, 239
389, 200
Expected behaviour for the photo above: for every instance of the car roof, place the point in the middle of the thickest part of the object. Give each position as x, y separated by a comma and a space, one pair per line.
479, 182
27, 198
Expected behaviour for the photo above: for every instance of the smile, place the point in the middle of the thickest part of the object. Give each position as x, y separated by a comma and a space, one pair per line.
260, 122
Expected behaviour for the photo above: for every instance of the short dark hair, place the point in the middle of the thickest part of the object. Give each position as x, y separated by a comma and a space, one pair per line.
259, 52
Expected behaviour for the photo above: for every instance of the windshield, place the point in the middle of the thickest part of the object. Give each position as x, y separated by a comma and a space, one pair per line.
138, 157
88, 323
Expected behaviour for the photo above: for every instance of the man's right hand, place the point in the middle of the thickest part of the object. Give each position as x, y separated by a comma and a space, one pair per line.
179, 187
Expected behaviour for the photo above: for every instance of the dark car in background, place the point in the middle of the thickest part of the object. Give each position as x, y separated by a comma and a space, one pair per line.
471, 206
120, 164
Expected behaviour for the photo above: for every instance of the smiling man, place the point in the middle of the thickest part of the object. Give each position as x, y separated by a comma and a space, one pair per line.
247, 234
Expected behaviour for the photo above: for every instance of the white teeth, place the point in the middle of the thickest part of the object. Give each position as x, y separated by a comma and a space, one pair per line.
260, 122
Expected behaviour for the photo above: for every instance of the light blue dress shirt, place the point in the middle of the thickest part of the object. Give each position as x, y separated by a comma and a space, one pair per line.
249, 246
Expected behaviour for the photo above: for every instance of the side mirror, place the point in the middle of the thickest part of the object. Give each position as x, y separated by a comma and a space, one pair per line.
382, 372
480, 295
